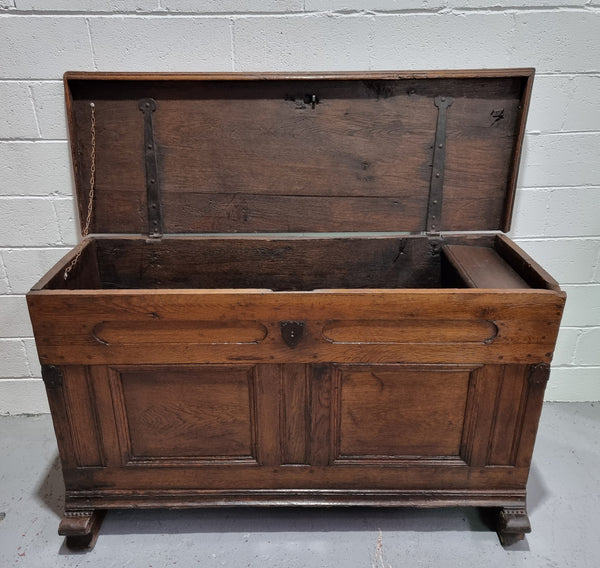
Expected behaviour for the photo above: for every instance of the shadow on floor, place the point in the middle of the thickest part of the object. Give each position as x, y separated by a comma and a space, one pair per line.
51, 494
537, 490
51, 490
244, 521
293, 519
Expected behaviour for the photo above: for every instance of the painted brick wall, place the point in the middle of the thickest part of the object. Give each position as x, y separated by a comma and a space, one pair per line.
557, 215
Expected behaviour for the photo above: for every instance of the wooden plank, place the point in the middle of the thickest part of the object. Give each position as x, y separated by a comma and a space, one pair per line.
483, 267
256, 157
518, 150
292, 147
164, 331
71, 76
227, 304
537, 378
294, 418
202, 413
160, 332
480, 414
525, 265
284, 264
198, 498
172, 353
82, 418
382, 416
410, 476
233, 213
83, 275
508, 416
408, 331
58, 315
105, 411
268, 401
119, 148
320, 451
479, 149
60, 419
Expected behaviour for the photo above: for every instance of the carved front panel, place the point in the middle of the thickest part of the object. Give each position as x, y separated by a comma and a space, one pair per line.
298, 426
204, 413
386, 413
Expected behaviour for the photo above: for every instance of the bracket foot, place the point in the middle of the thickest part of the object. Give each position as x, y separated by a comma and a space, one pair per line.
513, 524
81, 528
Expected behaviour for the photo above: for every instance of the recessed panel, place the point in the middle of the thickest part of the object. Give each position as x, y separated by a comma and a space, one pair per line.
156, 330
204, 412
410, 331
396, 411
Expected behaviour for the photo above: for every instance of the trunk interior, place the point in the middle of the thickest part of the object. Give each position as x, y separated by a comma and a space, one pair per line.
297, 263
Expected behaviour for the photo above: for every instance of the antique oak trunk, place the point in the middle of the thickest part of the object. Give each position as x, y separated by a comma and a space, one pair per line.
294, 289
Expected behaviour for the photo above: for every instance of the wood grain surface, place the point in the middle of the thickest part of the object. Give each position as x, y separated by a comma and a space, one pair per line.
417, 372
257, 157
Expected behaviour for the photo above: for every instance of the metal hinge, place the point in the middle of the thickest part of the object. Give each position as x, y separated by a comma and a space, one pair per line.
436, 184
52, 376
155, 229
436, 242
539, 374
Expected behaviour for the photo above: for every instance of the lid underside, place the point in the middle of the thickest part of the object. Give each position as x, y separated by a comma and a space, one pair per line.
306, 153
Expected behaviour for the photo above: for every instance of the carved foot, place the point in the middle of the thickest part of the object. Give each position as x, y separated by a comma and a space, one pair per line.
513, 523
81, 528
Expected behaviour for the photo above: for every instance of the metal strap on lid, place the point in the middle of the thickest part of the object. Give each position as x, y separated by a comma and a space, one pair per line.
436, 186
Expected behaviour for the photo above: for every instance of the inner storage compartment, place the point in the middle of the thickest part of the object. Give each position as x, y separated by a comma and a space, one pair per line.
336, 154
479, 267
292, 264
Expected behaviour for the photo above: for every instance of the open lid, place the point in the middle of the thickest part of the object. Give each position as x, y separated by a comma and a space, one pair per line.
309, 152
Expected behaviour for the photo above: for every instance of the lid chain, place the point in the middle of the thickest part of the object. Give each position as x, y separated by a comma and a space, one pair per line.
88, 220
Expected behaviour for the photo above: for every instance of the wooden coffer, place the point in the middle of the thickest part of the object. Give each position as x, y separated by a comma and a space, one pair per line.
294, 289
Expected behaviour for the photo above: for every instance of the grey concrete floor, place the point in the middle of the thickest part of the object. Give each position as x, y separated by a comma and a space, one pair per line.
564, 506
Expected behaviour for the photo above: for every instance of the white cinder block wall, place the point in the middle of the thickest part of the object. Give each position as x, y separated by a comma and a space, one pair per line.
557, 216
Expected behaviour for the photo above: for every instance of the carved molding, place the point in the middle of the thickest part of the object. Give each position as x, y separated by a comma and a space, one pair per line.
409, 331
79, 513
118, 379
76, 523
81, 527
183, 331
513, 523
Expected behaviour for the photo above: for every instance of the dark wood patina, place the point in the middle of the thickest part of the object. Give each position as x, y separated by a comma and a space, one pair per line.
274, 367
